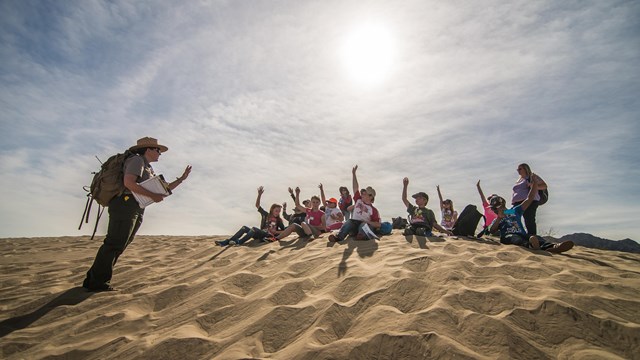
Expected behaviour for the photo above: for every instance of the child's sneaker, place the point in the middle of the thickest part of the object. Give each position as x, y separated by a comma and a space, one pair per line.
562, 247
534, 243
232, 243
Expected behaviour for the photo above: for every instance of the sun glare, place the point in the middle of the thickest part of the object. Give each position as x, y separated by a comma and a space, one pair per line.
368, 54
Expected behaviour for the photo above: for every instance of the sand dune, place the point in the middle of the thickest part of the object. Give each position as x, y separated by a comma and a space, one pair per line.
183, 297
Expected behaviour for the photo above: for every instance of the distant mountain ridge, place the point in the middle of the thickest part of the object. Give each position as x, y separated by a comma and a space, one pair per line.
590, 241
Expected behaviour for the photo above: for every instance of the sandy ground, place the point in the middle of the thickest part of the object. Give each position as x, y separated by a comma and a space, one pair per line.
397, 298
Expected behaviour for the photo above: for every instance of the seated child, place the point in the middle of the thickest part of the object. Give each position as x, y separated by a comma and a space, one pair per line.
298, 216
271, 225
489, 215
314, 223
344, 202
362, 213
449, 215
421, 219
333, 215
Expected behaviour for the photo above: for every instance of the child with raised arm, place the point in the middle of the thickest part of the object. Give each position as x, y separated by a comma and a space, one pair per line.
314, 223
344, 202
334, 217
298, 216
362, 213
509, 222
271, 225
421, 219
489, 215
449, 215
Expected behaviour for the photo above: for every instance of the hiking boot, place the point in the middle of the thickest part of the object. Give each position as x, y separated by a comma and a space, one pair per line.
361, 237
103, 288
333, 238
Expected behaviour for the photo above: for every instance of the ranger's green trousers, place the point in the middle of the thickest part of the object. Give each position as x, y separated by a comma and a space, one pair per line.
125, 218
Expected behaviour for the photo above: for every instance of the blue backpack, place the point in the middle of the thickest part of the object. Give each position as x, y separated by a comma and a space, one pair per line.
385, 228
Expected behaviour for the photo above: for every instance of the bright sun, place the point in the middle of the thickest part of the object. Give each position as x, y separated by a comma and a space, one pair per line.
368, 54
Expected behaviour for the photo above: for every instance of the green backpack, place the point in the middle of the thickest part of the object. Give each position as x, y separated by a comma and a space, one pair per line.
107, 183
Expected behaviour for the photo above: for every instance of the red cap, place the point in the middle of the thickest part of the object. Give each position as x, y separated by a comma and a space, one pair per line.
333, 200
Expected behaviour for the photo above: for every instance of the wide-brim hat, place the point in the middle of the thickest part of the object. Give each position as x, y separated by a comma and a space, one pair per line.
148, 142
420, 194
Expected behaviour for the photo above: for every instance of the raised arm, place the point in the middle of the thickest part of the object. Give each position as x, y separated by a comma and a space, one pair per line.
297, 201
356, 188
260, 191
484, 199
405, 185
324, 199
284, 212
174, 184
439, 195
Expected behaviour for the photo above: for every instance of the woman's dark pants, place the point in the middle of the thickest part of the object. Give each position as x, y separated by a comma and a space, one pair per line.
125, 218
529, 216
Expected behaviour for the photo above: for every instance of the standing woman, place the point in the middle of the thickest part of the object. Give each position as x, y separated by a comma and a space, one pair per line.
520, 191
125, 215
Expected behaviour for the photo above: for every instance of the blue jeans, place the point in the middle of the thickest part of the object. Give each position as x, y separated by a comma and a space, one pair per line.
523, 240
350, 227
241, 236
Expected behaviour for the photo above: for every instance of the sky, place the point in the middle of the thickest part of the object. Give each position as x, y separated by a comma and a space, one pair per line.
295, 93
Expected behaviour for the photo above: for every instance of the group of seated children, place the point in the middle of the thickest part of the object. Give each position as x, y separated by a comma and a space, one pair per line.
358, 217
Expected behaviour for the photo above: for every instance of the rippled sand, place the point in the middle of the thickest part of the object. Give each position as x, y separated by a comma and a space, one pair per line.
399, 298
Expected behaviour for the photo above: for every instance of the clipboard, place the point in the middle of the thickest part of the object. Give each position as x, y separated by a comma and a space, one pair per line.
156, 185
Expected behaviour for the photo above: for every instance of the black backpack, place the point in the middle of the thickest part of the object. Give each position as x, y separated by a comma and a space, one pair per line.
399, 223
544, 196
467, 221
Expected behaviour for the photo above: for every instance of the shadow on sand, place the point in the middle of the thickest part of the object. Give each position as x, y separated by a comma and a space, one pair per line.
72, 297
364, 248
